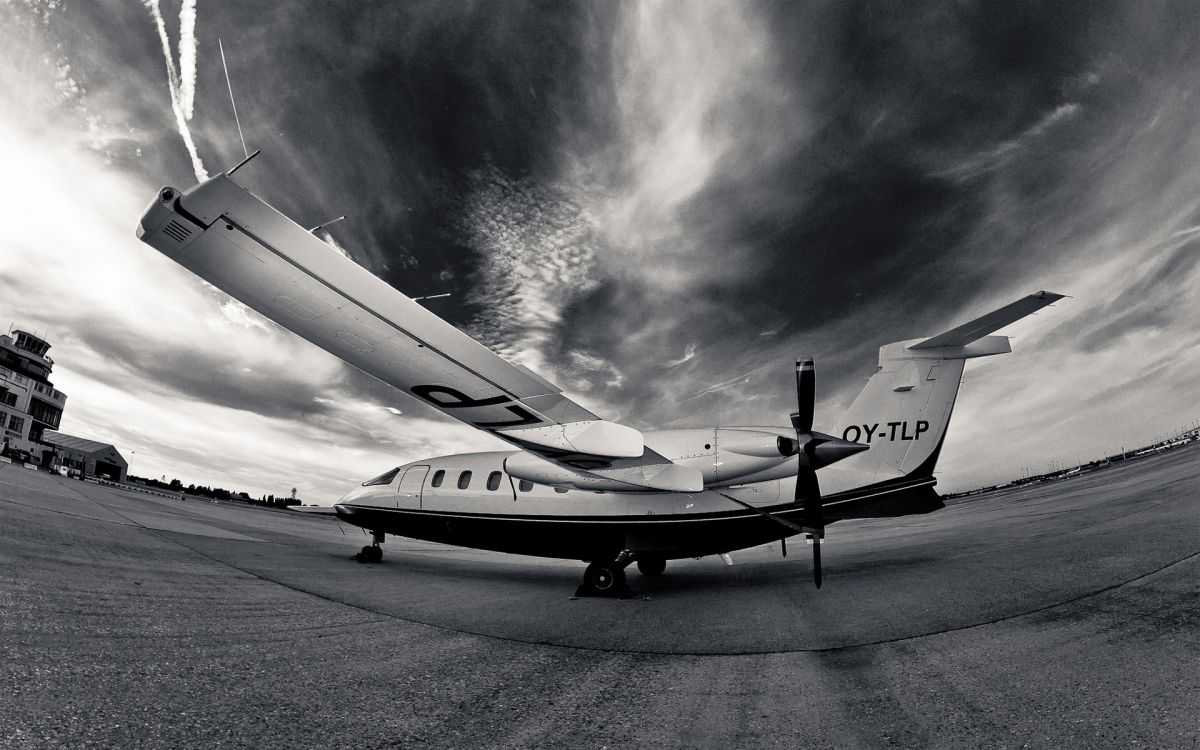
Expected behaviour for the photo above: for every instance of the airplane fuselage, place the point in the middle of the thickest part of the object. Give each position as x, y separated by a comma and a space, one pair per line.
476, 503
472, 500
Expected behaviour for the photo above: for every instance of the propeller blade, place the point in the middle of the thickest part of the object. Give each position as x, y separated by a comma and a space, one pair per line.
817, 560
816, 535
808, 492
806, 387
797, 528
807, 486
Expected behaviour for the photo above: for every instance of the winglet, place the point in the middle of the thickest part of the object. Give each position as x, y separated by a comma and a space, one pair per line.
993, 321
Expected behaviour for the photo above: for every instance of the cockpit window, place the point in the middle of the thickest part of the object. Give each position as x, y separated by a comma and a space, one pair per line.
438, 476
464, 480
525, 485
493, 481
382, 478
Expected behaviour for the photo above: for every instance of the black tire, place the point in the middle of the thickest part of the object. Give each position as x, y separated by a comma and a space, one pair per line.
651, 566
605, 578
375, 554
365, 553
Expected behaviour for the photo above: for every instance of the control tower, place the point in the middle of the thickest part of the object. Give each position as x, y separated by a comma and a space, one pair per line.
29, 402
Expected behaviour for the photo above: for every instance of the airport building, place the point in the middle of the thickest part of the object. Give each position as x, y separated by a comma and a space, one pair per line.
29, 403
80, 456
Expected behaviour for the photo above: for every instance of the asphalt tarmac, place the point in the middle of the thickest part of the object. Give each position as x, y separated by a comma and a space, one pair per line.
1059, 615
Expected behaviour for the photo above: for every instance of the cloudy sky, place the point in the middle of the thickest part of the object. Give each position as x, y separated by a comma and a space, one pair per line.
657, 205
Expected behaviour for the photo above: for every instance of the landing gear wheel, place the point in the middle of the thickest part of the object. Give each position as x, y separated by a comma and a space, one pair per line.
370, 554
605, 578
651, 566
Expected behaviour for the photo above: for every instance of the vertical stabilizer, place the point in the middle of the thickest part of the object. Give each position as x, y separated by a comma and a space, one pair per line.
905, 408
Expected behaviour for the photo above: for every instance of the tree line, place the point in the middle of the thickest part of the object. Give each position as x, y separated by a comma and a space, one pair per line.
218, 493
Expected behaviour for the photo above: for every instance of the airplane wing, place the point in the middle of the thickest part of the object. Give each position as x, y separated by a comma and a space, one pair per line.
234, 240
313, 510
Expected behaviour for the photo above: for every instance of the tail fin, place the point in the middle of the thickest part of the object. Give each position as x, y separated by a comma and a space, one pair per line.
904, 410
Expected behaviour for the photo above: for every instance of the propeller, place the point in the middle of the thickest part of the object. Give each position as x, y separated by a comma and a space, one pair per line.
814, 450
808, 489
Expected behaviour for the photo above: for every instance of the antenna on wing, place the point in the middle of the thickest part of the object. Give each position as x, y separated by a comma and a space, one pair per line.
243, 162
327, 223
229, 85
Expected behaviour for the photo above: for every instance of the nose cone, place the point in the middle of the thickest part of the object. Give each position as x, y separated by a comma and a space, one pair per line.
832, 450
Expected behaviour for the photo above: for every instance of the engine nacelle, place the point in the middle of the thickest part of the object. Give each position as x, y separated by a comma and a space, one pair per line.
657, 477
755, 443
753, 454
535, 469
706, 457
729, 455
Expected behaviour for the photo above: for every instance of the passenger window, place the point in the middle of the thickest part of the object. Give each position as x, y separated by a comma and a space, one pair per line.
382, 478
560, 489
438, 476
525, 485
464, 480
493, 481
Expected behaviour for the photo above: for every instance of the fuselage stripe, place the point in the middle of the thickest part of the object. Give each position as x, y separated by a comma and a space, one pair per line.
781, 510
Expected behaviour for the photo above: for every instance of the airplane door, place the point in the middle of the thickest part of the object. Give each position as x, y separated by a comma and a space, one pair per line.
408, 492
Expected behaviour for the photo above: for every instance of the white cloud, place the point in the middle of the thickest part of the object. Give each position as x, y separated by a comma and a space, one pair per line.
329, 240
689, 353
997, 156
536, 256
687, 87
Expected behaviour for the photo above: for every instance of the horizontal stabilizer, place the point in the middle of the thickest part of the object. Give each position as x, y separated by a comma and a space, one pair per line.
993, 321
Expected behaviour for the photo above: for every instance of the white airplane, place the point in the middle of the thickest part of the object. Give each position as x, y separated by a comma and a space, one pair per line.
576, 486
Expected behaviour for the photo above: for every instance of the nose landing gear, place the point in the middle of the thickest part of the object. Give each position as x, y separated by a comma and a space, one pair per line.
372, 553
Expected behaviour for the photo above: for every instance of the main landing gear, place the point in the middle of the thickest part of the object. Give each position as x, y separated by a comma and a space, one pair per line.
372, 553
651, 566
607, 577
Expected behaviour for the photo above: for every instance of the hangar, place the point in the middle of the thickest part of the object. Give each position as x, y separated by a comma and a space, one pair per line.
90, 457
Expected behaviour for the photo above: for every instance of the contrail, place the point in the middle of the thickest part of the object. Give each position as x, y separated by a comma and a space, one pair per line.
188, 61
187, 56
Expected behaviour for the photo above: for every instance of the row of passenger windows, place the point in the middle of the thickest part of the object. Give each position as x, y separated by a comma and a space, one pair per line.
464, 480
493, 481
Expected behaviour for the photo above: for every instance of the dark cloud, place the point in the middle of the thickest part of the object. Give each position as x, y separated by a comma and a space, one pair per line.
398, 106
950, 149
